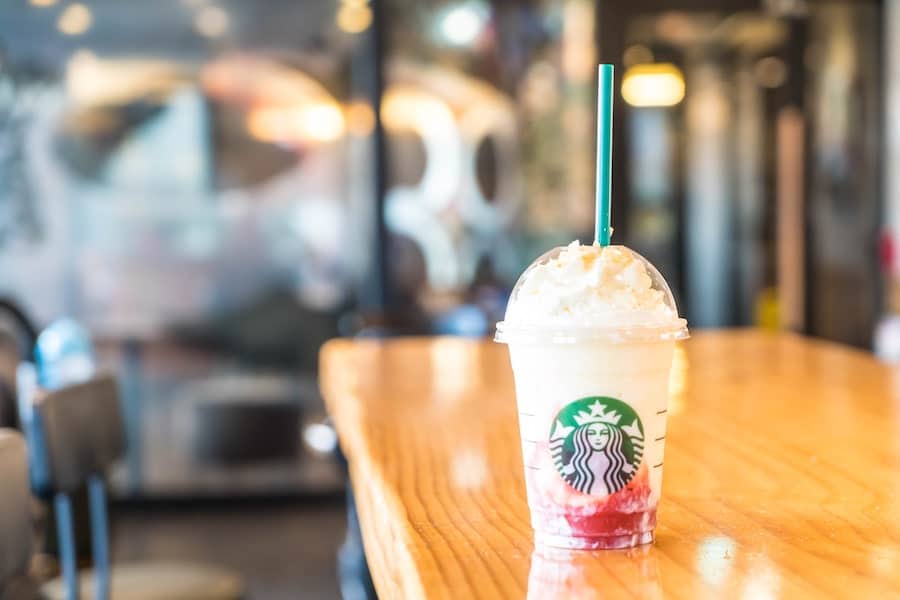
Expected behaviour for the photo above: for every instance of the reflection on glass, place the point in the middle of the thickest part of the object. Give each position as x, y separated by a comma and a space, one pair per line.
580, 574
440, 120
491, 160
189, 205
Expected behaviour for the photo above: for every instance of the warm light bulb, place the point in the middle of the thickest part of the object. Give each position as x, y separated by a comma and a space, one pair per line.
319, 122
353, 17
75, 19
654, 84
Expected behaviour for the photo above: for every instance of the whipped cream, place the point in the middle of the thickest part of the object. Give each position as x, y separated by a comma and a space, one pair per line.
592, 287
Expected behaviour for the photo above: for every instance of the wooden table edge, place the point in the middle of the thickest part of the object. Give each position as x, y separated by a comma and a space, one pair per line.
369, 489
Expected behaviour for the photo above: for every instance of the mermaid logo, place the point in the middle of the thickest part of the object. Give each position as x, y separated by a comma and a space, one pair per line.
597, 444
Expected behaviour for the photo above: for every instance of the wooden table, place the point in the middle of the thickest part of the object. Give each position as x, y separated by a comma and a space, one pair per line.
782, 474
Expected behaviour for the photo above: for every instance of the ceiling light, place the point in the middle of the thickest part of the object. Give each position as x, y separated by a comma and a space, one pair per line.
654, 84
211, 21
461, 25
75, 19
353, 17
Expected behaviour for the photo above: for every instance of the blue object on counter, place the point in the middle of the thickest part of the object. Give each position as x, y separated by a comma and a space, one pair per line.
467, 320
64, 354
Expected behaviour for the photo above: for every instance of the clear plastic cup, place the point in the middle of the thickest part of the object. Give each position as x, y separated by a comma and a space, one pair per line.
592, 407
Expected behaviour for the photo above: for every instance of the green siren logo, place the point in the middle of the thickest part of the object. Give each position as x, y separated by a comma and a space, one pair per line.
597, 444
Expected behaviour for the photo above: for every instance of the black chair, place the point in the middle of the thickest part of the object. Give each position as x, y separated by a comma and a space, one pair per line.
15, 519
75, 434
17, 338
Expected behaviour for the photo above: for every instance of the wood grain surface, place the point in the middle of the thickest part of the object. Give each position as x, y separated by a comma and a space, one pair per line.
782, 474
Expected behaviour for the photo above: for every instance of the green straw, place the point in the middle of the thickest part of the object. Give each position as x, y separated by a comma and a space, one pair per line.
604, 152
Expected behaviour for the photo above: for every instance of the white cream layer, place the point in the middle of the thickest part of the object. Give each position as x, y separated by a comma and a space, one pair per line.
591, 286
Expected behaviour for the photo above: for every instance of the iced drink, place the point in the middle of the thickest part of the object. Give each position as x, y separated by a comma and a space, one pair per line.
591, 333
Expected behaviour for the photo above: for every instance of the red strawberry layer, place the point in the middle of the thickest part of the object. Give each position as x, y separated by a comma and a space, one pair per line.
626, 512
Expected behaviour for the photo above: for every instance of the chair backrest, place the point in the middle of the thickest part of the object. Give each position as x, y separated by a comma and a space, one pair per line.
9, 359
80, 431
15, 509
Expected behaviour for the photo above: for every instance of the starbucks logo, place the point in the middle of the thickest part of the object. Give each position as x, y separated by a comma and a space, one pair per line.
597, 444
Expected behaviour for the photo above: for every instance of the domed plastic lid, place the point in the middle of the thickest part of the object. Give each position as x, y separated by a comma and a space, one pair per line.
579, 293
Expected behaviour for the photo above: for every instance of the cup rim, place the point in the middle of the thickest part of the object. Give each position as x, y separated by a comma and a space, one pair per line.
506, 334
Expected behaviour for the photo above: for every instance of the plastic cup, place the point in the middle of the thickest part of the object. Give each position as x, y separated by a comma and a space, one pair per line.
592, 408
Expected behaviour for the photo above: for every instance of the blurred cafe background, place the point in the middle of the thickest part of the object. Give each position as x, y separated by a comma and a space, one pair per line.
204, 191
